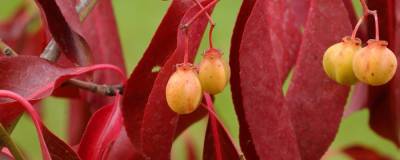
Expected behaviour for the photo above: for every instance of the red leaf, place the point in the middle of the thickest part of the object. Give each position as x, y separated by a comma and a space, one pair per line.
300, 8
187, 120
58, 149
13, 28
141, 81
363, 153
218, 143
314, 115
30, 83
382, 101
51, 146
101, 33
261, 94
351, 12
159, 121
103, 128
122, 148
61, 16
246, 143
143, 77
79, 115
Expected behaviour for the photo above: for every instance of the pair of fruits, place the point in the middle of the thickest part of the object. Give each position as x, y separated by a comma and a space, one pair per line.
346, 62
185, 86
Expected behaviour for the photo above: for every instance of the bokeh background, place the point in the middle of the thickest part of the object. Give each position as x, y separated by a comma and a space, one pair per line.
137, 21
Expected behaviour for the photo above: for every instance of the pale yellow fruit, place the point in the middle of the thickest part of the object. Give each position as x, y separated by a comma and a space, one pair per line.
375, 64
183, 91
214, 72
338, 61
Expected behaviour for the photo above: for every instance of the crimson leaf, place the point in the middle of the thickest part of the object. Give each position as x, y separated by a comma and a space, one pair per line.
103, 128
314, 115
159, 121
61, 16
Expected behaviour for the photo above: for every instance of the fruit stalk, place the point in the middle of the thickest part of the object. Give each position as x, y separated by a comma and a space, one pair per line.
367, 12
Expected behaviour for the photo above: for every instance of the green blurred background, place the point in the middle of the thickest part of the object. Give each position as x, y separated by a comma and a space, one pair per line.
137, 22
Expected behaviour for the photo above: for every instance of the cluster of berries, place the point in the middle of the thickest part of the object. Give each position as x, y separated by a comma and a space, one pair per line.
346, 62
185, 86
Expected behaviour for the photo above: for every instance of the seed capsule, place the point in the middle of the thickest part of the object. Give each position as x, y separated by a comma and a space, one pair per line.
375, 64
214, 72
183, 91
338, 61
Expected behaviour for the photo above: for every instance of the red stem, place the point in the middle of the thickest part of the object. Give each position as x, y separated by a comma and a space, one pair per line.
35, 118
214, 115
186, 56
197, 15
376, 24
211, 21
210, 41
354, 34
367, 12
214, 126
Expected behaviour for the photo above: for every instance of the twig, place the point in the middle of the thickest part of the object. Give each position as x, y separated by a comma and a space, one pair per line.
9, 143
52, 51
6, 50
107, 90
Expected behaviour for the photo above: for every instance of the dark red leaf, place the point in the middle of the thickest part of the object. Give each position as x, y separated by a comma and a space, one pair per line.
32, 43
363, 153
143, 77
261, 94
218, 144
51, 146
141, 81
351, 12
159, 121
382, 101
122, 149
12, 30
101, 33
34, 82
246, 142
300, 8
316, 102
79, 115
187, 120
58, 149
103, 128
64, 25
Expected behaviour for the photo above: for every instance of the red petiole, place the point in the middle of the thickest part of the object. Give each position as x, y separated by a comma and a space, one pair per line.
213, 116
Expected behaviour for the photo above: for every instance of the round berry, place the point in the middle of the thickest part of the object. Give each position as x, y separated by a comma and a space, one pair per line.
214, 72
375, 64
338, 61
183, 91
